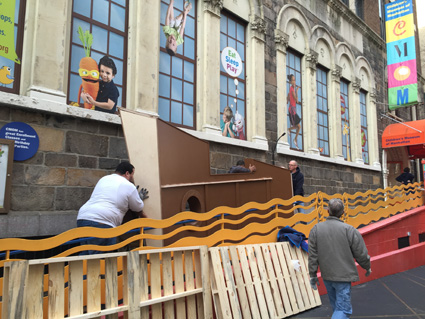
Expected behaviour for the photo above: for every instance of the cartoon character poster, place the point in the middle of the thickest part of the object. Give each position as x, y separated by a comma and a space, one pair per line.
89, 71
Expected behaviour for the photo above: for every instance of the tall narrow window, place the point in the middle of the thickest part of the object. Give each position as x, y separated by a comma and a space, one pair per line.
322, 111
294, 98
177, 64
107, 21
363, 123
345, 121
11, 71
232, 77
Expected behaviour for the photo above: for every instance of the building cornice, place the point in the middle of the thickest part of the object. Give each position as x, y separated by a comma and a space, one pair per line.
354, 20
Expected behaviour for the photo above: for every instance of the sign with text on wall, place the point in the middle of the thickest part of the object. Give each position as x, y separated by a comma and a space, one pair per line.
25, 137
401, 54
231, 61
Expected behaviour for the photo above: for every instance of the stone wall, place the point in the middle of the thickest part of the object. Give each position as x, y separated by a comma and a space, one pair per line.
318, 176
49, 188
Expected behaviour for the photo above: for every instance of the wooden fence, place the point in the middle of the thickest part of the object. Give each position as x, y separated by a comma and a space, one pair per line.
173, 282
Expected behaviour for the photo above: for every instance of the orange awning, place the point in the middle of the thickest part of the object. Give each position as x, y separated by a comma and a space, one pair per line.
396, 135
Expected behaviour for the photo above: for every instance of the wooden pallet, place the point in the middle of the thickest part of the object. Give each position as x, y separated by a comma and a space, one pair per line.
260, 281
161, 283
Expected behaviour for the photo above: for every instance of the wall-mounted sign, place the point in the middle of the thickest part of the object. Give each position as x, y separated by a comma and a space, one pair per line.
401, 54
231, 61
25, 137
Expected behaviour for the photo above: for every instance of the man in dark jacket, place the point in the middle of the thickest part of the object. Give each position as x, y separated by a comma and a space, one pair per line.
297, 183
406, 177
333, 245
297, 178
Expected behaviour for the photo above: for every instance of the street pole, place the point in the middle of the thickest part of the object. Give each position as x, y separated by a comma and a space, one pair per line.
275, 146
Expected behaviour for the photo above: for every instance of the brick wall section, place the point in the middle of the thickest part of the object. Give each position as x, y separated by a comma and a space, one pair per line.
73, 155
371, 15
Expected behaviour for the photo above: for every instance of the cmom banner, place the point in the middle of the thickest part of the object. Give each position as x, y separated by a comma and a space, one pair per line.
401, 54
7, 30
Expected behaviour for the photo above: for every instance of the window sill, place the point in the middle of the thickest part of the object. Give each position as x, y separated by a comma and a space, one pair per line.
47, 106
210, 136
284, 150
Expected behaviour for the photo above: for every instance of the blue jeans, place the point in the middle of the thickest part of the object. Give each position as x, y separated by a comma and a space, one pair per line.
299, 210
339, 294
95, 240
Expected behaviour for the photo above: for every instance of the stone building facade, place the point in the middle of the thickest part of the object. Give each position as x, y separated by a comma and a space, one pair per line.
78, 146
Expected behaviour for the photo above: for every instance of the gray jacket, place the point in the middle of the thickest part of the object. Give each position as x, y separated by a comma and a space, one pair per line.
333, 245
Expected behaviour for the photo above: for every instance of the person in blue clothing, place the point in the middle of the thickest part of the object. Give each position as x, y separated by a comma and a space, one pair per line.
333, 246
107, 97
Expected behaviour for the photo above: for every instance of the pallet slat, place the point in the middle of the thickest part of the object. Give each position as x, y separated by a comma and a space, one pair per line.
167, 275
179, 284
111, 286
190, 284
76, 284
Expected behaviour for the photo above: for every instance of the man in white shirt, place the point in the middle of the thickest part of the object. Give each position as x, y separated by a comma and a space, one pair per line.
112, 197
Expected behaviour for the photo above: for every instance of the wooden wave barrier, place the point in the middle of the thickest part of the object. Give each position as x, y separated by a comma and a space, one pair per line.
252, 223
170, 282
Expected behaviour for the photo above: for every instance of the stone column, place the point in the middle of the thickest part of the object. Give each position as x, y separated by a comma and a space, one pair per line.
355, 123
334, 107
45, 56
281, 40
255, 81
208, 75
309, 104
143, 55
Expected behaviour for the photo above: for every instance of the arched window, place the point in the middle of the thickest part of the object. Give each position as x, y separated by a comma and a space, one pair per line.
345, 121
363, 124
322, 111
293, 67
233, 90
107, 21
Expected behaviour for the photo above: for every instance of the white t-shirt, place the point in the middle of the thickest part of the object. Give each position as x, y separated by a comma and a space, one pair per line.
112, 197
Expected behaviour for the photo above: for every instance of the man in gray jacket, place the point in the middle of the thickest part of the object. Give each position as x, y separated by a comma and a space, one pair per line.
333, 245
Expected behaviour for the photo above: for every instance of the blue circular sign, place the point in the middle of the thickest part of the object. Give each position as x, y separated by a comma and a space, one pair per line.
25, 137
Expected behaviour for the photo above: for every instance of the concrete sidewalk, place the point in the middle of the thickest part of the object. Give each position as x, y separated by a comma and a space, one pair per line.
397, 296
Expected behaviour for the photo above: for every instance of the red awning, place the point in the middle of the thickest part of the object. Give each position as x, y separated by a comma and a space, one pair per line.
410, 134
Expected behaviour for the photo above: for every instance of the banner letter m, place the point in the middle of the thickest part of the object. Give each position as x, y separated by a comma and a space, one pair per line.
402, 96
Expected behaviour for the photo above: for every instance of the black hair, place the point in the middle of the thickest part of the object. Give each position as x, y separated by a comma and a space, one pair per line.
290, 77
124, 167
406, 170
240, 162
170, 52
109, 63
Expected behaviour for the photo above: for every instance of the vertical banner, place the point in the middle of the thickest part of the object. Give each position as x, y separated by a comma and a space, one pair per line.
7, 30
401, 54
